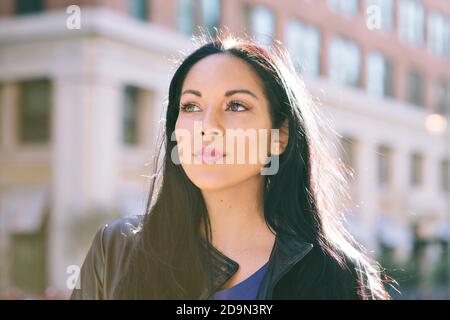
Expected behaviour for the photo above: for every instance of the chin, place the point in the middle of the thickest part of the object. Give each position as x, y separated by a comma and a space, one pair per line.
217, 177
210, 179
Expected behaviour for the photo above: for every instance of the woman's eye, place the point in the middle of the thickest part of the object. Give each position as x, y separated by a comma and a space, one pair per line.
233, 106
236, 106
188, 107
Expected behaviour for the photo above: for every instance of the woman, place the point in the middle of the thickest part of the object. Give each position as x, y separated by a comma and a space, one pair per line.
217, 228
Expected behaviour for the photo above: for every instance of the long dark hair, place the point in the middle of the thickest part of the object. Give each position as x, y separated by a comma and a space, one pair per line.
302, 198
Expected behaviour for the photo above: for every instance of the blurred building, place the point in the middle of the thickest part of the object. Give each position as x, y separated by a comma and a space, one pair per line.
80, 107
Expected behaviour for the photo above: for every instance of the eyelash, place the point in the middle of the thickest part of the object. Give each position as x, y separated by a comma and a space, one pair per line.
184, 106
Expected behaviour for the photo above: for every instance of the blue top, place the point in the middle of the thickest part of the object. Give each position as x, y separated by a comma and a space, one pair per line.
244, 290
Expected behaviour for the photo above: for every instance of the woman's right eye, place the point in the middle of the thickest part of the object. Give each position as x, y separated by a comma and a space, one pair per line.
188, 107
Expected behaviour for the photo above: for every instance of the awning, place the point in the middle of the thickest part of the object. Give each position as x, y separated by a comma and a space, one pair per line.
23, 207
443, 231
392, 233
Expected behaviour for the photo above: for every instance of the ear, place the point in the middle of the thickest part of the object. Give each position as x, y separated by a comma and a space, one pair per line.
280, 140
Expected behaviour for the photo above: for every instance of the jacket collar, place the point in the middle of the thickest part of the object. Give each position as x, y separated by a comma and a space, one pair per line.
286, 252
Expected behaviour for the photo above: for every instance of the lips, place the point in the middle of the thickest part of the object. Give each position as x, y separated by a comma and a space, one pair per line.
209, 155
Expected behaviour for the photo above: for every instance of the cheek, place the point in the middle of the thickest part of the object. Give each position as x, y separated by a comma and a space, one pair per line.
252, 141
248, 148
185, 134
183, 125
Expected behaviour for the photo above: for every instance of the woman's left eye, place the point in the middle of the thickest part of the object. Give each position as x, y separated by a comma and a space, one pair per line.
237, 106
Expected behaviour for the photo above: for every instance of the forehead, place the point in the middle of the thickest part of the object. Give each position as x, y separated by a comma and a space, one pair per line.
222, 71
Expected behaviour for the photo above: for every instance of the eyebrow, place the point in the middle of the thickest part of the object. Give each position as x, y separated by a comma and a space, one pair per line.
227, 93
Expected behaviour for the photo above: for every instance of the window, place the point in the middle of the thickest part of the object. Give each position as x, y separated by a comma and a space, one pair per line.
2, 118
130, 115
438, 34
185, 18
34, 111
379, 75
344, 62
348, 7
442, 98
139, 9
211, 15
28, 6
262, 25
303, 43
384, 165
348, 152
411, 18
416, 169
29, 250
386, 12
415, 88
195, 13
445, 175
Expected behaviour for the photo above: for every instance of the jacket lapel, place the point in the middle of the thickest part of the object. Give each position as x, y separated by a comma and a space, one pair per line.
287, 251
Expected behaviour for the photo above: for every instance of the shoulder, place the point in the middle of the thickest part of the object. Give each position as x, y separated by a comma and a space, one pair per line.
120, 233
353, 276
116, 239
321, 275
106, 259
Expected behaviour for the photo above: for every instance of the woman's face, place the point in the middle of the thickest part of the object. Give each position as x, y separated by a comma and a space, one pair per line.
222, 97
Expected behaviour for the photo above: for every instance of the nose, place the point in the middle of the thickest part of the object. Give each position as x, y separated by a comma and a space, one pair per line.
211, 126
211, 132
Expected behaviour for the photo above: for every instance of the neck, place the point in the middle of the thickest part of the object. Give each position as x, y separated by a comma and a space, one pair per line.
237, 215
